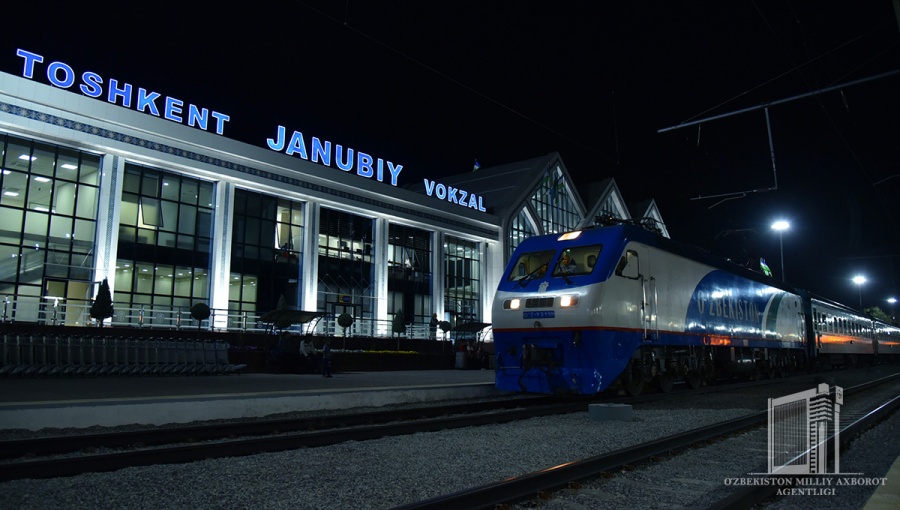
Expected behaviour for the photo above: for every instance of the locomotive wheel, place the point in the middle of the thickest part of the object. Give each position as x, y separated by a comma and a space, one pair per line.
694, 379
665, 381
633, 380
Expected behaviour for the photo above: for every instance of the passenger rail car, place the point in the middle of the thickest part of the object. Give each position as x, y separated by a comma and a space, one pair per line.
620, 305
841, 336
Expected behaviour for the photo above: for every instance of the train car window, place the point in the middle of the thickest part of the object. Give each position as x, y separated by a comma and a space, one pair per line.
629, 266
531, 265
574, 261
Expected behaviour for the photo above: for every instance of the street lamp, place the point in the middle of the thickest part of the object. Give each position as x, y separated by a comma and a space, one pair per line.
780, 226
859, 280
892, 301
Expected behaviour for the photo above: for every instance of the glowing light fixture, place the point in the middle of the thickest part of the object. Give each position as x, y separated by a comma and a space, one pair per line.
859, 280
780, 226
568, 236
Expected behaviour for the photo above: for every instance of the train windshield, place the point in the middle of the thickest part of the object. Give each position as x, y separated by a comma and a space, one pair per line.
578, 260
531, 265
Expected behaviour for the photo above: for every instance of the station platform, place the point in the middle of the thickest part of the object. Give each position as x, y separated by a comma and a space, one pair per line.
35, 404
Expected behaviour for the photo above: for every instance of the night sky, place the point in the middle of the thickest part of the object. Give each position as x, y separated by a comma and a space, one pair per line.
436, 85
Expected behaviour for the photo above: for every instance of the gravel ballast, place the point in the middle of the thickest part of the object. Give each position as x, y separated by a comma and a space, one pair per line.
393, 471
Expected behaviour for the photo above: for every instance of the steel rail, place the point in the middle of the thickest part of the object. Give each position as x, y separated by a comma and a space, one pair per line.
747, 497
552, 479
71, 466
40, 446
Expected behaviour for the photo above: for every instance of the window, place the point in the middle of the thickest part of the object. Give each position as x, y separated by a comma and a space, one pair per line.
345, 264
576, 261
462, 281
409, 274
266, 253
554, 204
531, 265
520, 229
49, 210
629, 266
165, 230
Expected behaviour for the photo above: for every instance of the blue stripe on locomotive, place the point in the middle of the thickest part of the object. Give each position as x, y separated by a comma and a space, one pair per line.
726, 304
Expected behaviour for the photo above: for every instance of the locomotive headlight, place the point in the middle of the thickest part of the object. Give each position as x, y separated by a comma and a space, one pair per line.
568, 301
512, 304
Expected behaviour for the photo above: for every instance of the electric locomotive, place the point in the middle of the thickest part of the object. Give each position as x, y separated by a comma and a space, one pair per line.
621, 306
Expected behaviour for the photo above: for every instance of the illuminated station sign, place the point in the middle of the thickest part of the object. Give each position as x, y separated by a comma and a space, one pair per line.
323, 152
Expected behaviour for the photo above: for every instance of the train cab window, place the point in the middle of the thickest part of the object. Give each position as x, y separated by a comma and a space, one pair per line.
575, 261
628, 265
531, 265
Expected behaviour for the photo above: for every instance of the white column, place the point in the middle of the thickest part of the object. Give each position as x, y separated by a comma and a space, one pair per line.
220, 258
489, 277
112, 174
380, 245
437, 275
310, 249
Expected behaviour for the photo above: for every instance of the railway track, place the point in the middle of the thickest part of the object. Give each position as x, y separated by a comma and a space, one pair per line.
541, 485
42, 445
70, 455
51, 457
316, 431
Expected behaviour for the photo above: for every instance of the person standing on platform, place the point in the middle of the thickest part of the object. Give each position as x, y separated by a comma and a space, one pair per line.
326, 358
307, 352
433, 326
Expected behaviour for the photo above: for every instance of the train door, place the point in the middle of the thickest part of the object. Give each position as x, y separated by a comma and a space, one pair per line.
635, 265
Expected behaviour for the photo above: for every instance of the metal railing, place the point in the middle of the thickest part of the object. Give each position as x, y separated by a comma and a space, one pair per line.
52, 355
57, 312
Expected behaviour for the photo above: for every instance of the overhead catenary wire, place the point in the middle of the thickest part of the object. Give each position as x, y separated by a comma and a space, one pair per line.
345, 23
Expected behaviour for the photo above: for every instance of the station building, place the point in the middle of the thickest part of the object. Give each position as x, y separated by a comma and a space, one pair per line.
103, 179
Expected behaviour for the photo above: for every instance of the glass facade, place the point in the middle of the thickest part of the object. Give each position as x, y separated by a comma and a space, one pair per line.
462, 280
163, 253
51, 254
409, 274
49, 209
552, 202
520, 229
266, 253
608, 208
345, 281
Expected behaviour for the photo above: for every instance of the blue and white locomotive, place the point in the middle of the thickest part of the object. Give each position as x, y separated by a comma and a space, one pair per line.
621, 306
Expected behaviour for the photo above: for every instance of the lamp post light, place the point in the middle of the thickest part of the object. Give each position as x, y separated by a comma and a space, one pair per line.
892, 301
859, 280
780, 226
